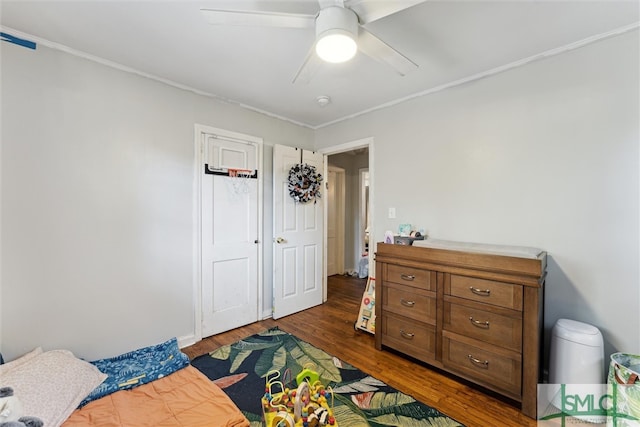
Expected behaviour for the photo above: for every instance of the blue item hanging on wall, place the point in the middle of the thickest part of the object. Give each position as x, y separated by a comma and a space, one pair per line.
17, 40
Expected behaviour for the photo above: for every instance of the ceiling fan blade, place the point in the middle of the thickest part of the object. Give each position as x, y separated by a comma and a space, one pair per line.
309, 67
253, 18
372, 46
372, 10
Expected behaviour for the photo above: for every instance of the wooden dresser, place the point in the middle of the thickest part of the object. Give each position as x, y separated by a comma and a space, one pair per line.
476, 315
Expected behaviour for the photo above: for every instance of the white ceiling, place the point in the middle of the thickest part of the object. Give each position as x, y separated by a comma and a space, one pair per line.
449, 40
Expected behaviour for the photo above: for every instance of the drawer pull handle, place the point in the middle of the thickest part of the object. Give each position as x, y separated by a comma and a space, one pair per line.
479, 363
407, 303
479, 324
481, 292
408, 276
406, 335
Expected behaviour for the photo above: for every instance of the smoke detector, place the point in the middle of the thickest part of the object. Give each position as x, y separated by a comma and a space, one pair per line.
323, 100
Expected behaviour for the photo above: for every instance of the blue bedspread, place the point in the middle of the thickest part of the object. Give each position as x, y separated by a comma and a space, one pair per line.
138, 367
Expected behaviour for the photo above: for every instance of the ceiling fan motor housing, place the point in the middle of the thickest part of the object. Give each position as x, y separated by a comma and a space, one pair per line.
337, 18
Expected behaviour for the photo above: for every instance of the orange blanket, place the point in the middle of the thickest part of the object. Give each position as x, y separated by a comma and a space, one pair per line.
185, 398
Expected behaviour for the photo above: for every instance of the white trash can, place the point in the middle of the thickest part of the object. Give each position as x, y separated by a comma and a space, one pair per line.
577, 354
577, 361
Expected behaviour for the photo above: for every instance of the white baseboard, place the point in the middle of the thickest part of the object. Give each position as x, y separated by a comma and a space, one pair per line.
186, 341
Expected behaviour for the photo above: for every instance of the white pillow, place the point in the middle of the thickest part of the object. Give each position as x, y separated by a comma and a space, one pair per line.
19, 361
52, 384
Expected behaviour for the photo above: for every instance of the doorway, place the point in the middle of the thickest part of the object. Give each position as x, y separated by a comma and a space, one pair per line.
353, 158
365, 222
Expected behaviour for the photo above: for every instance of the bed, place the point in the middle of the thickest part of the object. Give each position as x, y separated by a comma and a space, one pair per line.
185, 398
151, 386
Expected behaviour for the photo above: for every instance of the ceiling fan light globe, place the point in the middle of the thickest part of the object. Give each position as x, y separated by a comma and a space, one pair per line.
336, 46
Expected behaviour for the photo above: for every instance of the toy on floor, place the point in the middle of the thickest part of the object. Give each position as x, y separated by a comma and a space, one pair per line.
366, 320
303, 406
11, 411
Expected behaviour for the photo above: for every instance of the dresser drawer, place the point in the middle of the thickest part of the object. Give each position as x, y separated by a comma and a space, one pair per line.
410, 302
485, 326
410, 276
416, 339
487, 291
501, 370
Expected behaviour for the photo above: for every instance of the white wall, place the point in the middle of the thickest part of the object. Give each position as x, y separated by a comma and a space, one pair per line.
97, 171
545, 155
97, 188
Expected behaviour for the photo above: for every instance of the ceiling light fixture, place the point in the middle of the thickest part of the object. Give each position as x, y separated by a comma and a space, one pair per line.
336, 33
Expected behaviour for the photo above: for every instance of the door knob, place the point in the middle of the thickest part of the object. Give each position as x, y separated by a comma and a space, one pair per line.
280, 240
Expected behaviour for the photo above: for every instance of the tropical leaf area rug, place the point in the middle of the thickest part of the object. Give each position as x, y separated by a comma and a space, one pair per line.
359, 399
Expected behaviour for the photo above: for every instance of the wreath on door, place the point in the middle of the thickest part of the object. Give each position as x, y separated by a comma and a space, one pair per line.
304, 183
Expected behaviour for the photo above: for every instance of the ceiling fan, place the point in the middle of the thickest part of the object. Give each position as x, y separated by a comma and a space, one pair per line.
339, 27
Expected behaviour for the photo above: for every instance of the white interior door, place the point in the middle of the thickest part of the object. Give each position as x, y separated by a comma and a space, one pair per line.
298, 237
229, 236
335, 220
332, 268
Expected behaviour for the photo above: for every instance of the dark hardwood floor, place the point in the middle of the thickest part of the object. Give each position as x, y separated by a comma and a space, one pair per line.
331, 327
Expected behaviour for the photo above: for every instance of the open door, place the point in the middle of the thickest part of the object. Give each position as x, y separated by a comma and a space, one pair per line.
335, 200
298, 237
